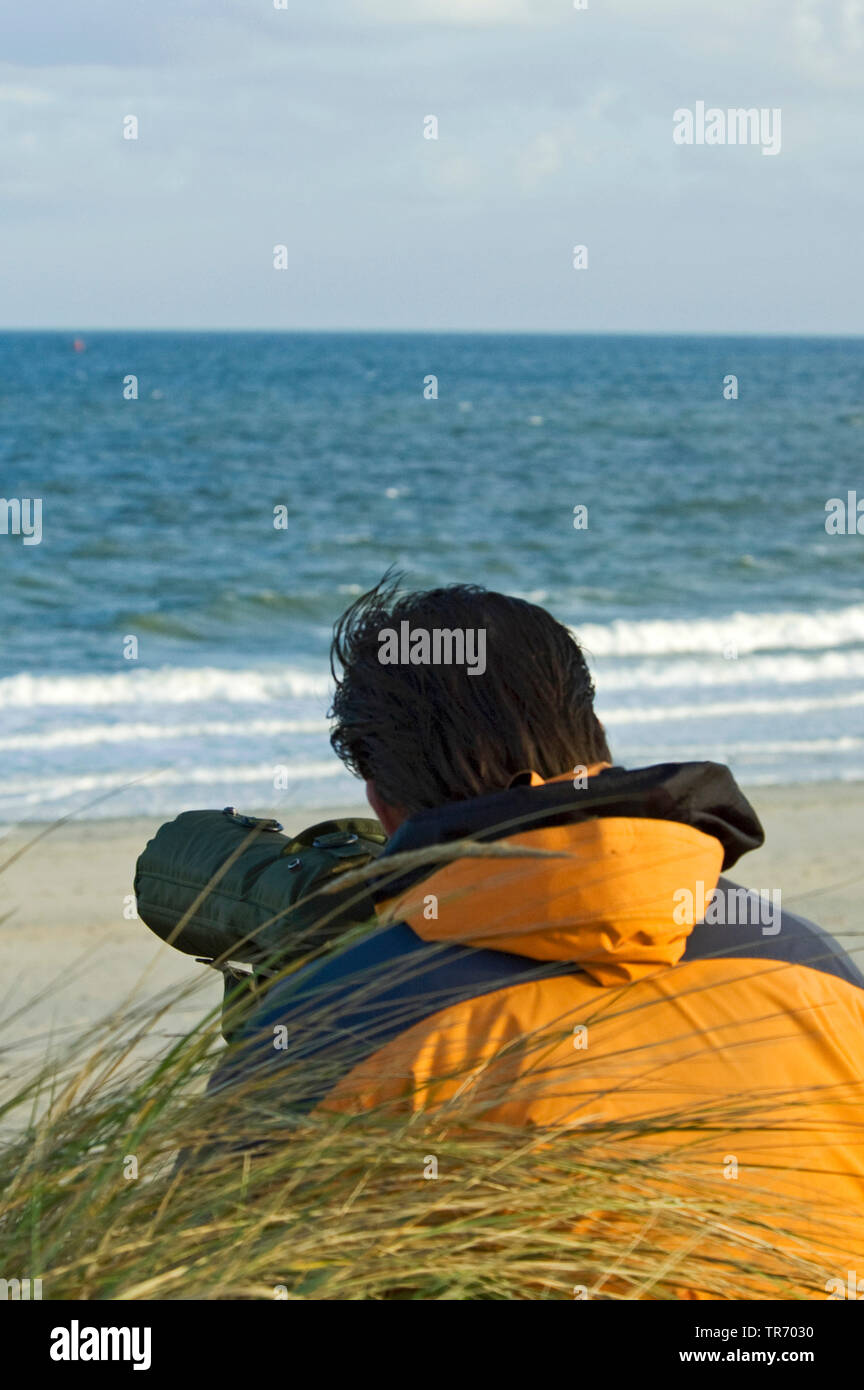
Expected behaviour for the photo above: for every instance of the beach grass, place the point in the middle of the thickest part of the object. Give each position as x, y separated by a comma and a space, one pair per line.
123, 1178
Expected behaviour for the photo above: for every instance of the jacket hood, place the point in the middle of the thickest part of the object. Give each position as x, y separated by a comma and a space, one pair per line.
627, 865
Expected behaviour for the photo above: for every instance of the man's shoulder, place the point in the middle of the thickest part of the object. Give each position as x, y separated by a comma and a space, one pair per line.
743, 922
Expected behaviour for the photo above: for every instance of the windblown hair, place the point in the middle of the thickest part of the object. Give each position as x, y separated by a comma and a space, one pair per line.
432, 734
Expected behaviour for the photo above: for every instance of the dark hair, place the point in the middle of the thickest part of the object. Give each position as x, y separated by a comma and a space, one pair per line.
431, 734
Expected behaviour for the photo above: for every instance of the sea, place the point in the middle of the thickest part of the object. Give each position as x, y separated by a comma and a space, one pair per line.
211, 502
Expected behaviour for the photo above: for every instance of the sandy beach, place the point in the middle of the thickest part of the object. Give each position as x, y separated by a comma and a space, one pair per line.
64, 926
64, 900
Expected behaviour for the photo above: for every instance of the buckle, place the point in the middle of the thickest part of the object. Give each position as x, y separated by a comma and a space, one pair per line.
251, 822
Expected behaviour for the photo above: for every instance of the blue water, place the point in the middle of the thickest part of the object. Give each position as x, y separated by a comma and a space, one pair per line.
721, 619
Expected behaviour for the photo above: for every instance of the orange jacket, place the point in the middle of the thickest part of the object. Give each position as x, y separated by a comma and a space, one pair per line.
613, 979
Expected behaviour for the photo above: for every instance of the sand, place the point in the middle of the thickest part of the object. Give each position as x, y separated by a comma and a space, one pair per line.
65, 899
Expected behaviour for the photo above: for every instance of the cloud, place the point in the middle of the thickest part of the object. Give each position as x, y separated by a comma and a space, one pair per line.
24, 96
471, 13
304, 126
827, 40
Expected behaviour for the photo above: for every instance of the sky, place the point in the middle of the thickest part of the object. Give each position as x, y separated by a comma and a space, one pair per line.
304, 127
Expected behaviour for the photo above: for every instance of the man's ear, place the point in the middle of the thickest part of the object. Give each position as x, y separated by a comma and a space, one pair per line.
391, 817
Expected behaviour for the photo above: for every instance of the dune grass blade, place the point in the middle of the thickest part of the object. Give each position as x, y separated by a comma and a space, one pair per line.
436, 1204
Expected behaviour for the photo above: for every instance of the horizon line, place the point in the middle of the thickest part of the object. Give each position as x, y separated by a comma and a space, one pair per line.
453, 332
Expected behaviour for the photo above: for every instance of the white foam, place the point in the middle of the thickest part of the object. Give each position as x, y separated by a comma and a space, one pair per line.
171, 685
738, 747
763, 670
795, 634
747, 632
93, 734
56, 788
724, 709
129, 723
